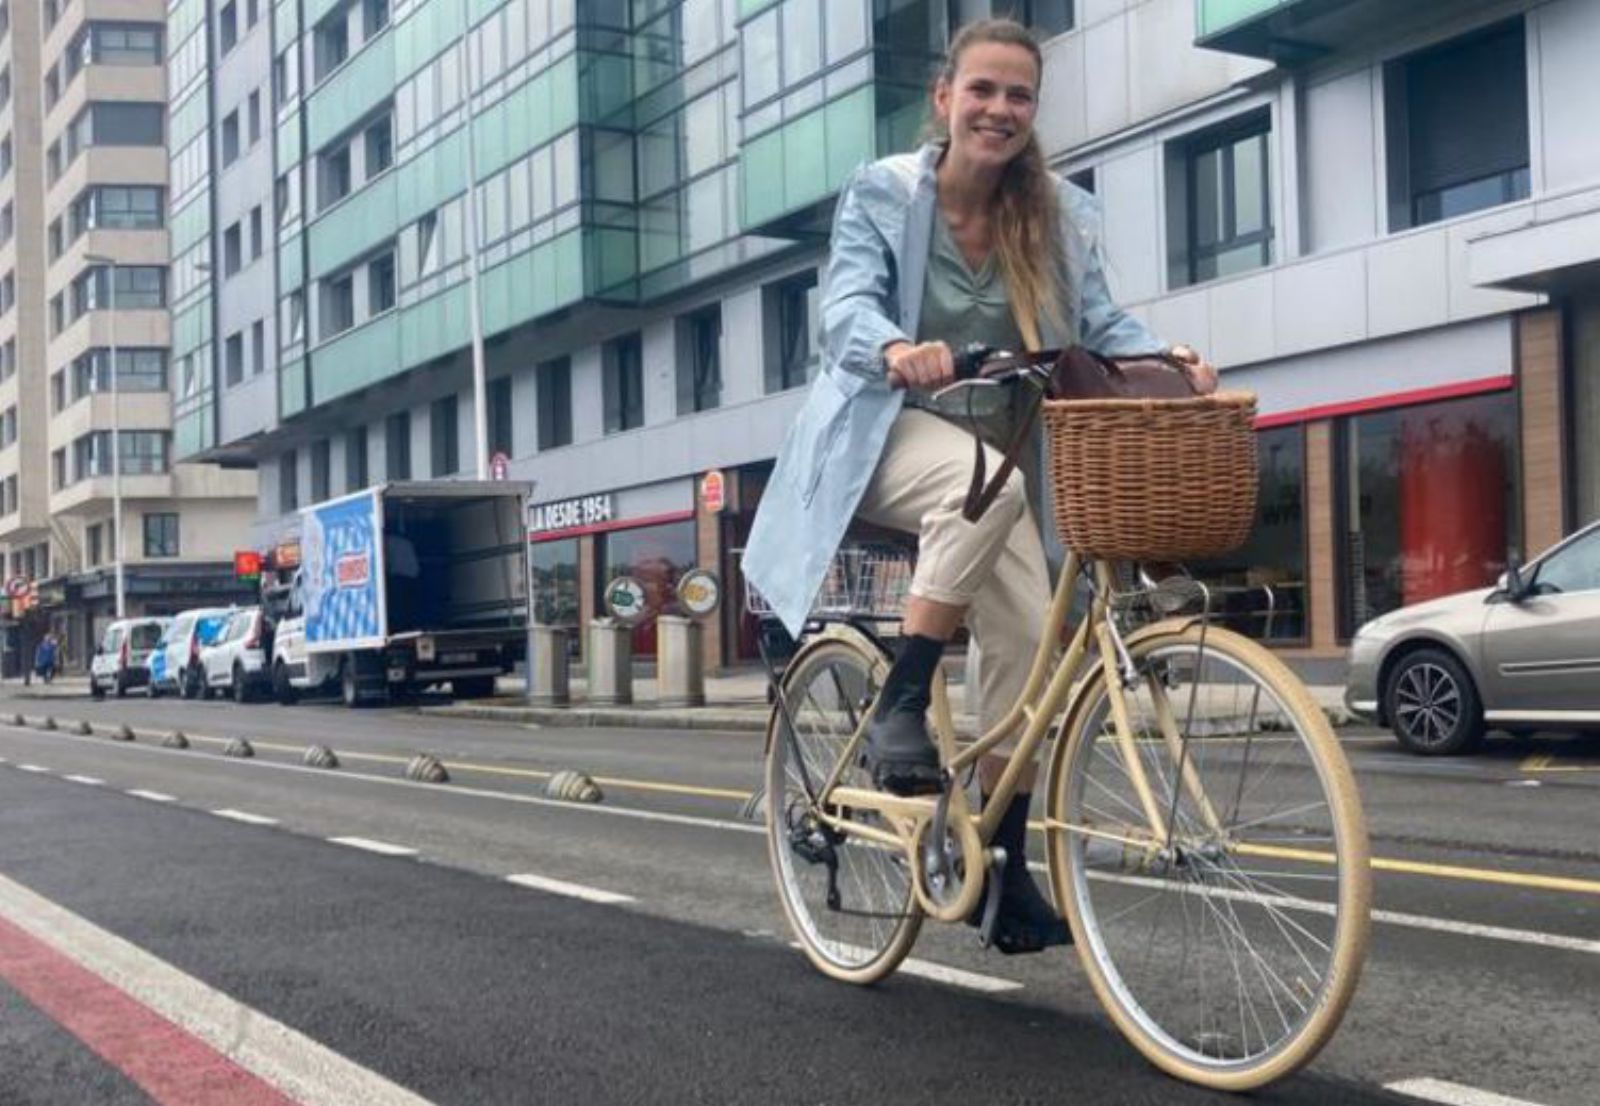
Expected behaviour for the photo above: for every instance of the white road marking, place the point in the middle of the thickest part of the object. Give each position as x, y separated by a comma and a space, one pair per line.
371, 846
303, 1069
90, 780
939, 973
246, 817
33, 768
153, 796
1388, 917
571, 890
1452, 1094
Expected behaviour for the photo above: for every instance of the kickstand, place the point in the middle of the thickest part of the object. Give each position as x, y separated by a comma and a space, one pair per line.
991, 897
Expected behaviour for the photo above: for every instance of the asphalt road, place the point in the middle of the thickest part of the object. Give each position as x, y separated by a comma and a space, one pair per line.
432, 971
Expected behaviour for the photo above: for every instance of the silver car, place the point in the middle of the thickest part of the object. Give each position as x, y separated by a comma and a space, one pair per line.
1523, 655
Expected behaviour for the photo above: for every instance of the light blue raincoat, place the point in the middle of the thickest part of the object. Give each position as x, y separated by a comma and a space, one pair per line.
872, 295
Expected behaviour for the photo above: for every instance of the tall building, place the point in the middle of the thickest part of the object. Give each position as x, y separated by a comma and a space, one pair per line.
1379, 219
88, 119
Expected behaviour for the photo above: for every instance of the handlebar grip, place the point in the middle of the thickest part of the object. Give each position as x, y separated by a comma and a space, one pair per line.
969, 362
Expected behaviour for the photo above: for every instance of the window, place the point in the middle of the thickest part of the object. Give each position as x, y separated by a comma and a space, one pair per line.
499, 416
397, 445
58, 469
700, 361
321, 464
230, 139
161, 535
553, 384
380, 284
791, 323
233, 358
1084, 179
138, 287
338, 305
1457, 126
355, 459
294, 323
228, 26
333, 172
445, 430
94, 539
255, 233
622, 364
252, 10
117, 207
1223, 224
1574, 567
114, 44
374, 17
656, 556
288, 483
138, 370
253, 117
232, 251
332, 43
1429, 498
379, 146
58, 390
428, 243
1044, 17
258, 347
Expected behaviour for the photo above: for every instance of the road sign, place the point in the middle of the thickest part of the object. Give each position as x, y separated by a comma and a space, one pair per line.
499, 465
17, 587
699, 592
247, 565
625, 599
714, 491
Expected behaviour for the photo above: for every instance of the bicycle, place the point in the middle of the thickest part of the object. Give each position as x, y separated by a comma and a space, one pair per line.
1204, 834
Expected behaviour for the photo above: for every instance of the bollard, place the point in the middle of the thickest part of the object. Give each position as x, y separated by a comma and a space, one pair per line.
550, 687
680, 668
610, 662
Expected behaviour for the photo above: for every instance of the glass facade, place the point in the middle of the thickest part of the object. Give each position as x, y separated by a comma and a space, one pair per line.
1584, 412
656, 556
1429, 502
555, 583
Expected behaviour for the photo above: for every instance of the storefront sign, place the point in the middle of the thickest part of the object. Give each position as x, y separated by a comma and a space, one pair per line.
570, 514
699, 592
625, 599
247, 565
714, 492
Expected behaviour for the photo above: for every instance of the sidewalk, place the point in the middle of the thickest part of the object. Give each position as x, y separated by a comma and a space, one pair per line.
736, 701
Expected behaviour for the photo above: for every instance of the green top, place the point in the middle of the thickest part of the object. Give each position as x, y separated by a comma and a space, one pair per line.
959, 307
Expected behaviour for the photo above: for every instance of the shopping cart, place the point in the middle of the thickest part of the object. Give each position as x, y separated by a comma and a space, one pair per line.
867, 583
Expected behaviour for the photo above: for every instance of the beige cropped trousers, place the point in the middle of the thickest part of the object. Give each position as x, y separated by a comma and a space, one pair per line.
994, 567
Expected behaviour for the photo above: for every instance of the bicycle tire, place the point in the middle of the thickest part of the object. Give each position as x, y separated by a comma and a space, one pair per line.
1226, 892
866, 936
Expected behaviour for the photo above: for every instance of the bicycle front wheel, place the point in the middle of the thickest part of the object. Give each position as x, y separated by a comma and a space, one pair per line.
849, 899
1212, 858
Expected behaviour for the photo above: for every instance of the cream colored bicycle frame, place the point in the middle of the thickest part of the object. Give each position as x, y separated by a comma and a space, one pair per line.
1043, 698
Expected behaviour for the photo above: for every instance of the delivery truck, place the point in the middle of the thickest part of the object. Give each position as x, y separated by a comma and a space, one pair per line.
401, 587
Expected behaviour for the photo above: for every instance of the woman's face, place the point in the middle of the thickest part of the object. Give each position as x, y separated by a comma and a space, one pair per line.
990, 103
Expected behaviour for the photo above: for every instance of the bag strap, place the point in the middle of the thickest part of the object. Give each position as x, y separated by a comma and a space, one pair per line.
981, 494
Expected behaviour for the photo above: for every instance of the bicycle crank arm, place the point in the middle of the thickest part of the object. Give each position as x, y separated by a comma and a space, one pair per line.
991, 897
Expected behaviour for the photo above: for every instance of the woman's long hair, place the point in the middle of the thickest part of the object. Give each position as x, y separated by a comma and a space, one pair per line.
1027, 220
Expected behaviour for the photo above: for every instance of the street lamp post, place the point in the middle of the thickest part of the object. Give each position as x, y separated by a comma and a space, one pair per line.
480, 388
116, 433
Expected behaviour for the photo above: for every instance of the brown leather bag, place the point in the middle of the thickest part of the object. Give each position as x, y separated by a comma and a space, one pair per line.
1075, 373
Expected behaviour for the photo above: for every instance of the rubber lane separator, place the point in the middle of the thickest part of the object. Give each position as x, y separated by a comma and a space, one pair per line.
1452, 1094
383, 848
89, 781
246, 817
153, 796
571, 890
184, 1043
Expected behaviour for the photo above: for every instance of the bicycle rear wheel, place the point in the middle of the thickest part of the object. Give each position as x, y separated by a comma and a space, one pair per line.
849, 901
1227, 948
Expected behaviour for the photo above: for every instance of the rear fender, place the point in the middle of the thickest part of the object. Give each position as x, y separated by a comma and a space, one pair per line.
846, 632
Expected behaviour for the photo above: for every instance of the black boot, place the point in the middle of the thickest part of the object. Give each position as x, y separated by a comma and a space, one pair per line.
900, 755
1027, 922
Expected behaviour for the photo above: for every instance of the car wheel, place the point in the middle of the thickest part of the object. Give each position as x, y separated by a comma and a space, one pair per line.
152, 690
121, 688
472, 687
241, 690
189, 684
1433, 706
282, 689
349, 684
95, 690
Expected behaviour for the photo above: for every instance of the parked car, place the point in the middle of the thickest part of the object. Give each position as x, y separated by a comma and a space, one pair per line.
179, 669
1523, 655
235, 662
122, 659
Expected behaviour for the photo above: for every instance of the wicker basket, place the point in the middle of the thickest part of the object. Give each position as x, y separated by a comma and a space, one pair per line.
1153, 479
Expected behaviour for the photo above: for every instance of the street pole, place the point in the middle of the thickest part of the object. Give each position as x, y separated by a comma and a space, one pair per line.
480, 387
110, 265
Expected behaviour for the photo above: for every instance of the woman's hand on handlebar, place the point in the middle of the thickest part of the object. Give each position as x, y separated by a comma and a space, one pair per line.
928, 366
1202, 373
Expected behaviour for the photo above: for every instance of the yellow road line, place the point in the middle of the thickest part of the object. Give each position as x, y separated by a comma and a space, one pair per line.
1439, 871
1546, 762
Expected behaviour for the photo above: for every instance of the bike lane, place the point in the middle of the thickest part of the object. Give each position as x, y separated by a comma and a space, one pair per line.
466, 989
